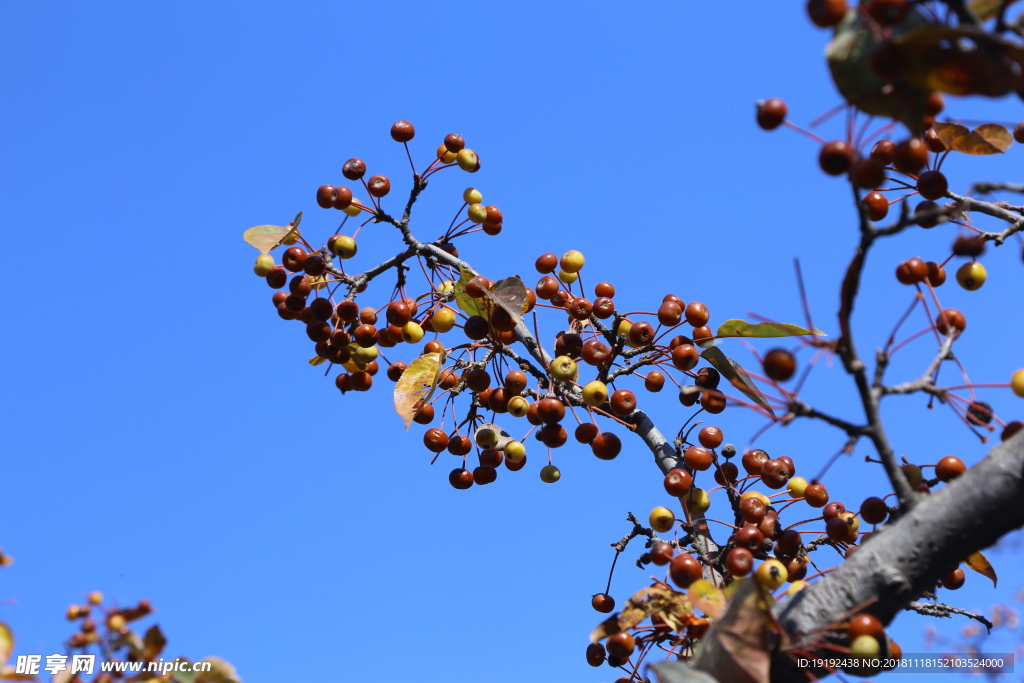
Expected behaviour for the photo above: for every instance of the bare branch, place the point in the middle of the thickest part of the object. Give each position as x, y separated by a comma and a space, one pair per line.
937, 609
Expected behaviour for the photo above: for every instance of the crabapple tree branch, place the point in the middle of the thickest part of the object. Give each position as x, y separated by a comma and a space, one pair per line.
855, 366
937, 609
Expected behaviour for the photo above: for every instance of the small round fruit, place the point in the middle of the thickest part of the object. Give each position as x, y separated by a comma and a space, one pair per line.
936, 274
623, 402
882, 151
378, 186
468, 160
825, 13
971, 276
779, 364
739, 562
595, 393
564, 368
771, 113
402, 131
662, 553
264, 264
354, 169
621, 645
606, 446
864, 646
443, 319
1017, 383
572, 261
910, 155
877, 205
344, 246
954, 580
771, 574
874, 510
864, 624
595, 654
698, 501
816, 495
662, 519
950, 320
684, 570
710, 437
654, 382
549, 474
602, 602
678, 483
836, 157
460, 478
932, 185
698, 458
515, 451
949, 468
796, 487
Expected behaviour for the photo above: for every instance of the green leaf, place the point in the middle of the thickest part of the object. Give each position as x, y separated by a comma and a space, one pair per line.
469, 305
737, 376
415, 384
741, 328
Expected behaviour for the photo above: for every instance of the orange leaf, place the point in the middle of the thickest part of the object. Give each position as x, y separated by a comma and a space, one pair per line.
707, 598
990, 138
646, 602
960, 61
736, 647
980, 564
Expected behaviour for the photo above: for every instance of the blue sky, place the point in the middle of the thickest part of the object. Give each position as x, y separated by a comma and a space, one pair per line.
165, 436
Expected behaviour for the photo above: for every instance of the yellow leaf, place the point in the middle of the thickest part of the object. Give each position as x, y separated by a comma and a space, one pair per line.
317, 360
469, 305
415, 384
986, 9
6, 643
220, 672
707, 598
980, 564
646, 602
268, 237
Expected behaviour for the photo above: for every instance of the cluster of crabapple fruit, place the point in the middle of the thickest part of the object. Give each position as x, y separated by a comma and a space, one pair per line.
107, 628
761, 546
315, 289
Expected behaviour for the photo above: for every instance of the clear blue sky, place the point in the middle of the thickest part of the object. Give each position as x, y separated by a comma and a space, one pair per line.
164, 436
